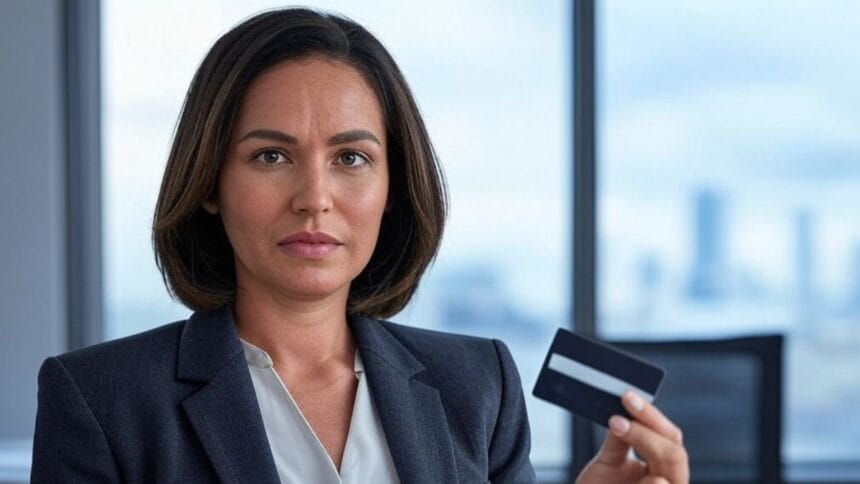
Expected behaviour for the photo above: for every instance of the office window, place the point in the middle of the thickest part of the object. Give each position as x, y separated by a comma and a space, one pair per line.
729, 181
493, 83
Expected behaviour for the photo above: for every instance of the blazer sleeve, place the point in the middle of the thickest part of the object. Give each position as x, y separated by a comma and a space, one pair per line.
511, 441
69, 444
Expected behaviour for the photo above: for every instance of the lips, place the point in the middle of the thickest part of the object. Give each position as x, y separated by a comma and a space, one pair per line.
309, 245
310, 238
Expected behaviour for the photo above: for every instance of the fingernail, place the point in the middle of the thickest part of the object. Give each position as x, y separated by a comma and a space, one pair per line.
634, 400
619, 425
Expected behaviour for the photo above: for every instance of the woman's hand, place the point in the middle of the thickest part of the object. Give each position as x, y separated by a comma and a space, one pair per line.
653, 436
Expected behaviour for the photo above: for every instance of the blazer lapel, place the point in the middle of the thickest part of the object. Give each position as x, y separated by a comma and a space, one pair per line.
413, 418
224, 412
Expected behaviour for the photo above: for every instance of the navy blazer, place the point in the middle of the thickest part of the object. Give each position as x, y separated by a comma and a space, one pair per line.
176, 404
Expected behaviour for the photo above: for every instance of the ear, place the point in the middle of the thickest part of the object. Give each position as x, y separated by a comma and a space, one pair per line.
211, 206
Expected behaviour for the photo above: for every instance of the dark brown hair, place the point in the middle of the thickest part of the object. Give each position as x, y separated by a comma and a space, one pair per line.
191, 248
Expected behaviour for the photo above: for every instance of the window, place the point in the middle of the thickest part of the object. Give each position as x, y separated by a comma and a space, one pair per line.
493, 83
728, 189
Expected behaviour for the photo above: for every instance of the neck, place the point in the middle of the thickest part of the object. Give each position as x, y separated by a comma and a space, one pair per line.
304, 336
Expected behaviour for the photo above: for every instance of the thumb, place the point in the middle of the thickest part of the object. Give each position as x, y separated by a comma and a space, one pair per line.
653, 480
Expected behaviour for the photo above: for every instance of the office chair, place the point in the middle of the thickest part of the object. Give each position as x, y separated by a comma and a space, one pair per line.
725, 394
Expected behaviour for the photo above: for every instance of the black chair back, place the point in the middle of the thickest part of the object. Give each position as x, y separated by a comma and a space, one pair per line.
726, 395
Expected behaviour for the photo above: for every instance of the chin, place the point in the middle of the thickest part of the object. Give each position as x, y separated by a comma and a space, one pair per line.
314, 287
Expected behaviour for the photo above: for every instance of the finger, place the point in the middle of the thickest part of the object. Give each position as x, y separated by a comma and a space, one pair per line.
664, 457
653, 480
651, 416
614, 451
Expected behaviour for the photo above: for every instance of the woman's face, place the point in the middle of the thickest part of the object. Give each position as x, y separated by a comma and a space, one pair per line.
305, 183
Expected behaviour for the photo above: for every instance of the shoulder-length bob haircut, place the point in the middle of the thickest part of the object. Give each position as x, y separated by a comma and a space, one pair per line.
191, 247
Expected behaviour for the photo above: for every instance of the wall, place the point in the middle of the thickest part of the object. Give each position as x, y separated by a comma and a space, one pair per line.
32, 201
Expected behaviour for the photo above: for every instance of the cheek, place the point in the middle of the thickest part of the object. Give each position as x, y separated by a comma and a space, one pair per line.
245, 214
366, 214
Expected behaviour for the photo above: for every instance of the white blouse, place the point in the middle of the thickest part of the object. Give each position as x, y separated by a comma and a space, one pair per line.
299, 455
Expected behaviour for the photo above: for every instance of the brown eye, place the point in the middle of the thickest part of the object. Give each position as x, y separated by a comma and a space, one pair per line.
270, 157
352, 158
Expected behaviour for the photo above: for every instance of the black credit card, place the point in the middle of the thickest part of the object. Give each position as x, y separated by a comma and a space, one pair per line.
588, 377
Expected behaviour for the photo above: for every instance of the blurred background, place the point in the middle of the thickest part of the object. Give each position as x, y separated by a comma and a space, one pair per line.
723, 138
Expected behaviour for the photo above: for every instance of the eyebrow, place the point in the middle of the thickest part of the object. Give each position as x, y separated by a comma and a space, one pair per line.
270, 134
353, 135
338, 139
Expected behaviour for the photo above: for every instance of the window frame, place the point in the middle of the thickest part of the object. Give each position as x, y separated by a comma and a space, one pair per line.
82, 92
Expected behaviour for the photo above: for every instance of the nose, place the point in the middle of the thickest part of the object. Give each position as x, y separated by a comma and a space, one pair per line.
313, 191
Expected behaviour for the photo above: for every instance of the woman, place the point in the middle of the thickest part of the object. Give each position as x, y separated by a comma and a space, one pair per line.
301, 202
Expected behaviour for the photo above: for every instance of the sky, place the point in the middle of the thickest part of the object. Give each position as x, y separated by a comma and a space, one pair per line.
754, 102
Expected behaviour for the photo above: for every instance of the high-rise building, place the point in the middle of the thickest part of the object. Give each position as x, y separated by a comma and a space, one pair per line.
708, 275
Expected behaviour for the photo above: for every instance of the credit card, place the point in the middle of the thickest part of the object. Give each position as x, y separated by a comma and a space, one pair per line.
588, 377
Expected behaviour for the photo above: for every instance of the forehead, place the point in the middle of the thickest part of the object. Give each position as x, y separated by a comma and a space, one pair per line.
310, 95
